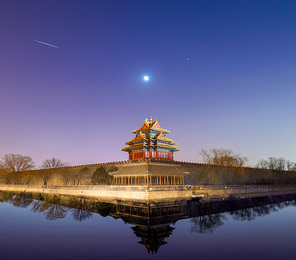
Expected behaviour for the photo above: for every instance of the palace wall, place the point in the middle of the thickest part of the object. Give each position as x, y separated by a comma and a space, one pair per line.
199, 174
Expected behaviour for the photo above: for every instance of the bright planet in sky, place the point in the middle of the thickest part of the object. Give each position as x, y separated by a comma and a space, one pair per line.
146, 78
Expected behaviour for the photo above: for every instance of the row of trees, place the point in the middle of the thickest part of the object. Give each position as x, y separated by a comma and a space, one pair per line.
223, 166
65, 176
280, 164
20, 163
227, 158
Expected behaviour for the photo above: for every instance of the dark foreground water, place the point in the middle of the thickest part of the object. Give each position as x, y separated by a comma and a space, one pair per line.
36, 227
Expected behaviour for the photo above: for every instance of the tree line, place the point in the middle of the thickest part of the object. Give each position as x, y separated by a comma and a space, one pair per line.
62, 176
19, 163
225, 167
227, 158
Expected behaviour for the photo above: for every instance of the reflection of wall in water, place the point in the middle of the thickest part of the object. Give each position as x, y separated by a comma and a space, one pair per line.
152, 221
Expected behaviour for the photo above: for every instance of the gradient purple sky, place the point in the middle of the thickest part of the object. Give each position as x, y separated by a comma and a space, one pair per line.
223, 74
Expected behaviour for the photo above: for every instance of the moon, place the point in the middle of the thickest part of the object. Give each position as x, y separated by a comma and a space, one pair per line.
146, 78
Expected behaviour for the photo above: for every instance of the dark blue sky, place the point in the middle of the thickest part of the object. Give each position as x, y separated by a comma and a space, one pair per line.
222, 74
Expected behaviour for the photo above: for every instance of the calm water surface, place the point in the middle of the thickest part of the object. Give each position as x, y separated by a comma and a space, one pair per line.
55, 229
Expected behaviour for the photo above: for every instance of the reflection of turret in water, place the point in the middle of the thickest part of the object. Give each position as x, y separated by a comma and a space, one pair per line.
152, 221
153, 237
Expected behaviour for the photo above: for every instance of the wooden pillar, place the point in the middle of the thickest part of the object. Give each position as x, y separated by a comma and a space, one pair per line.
157, 180
167, 180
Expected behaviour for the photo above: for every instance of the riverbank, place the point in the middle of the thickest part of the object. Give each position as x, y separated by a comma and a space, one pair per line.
108, 191
156, 193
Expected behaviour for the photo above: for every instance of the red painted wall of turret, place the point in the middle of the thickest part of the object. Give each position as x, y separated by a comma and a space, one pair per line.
151, 154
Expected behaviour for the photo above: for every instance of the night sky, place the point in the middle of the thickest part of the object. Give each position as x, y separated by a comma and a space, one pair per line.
222, 74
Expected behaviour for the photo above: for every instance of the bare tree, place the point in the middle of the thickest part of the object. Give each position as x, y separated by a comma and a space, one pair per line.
280, 164
46, 177
291, 166
53, 163
223, 158
16, 163
221, 166
83, 174
66, 178
77, 178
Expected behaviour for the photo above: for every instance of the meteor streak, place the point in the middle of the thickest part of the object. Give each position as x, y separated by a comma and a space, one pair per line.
47, 44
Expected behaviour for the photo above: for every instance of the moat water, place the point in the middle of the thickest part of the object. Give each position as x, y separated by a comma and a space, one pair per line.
37, 227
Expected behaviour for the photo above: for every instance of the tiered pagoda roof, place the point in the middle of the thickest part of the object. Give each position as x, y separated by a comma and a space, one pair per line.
151, 138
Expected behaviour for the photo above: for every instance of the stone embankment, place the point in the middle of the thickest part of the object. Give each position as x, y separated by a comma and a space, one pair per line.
105, 191
139, 193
